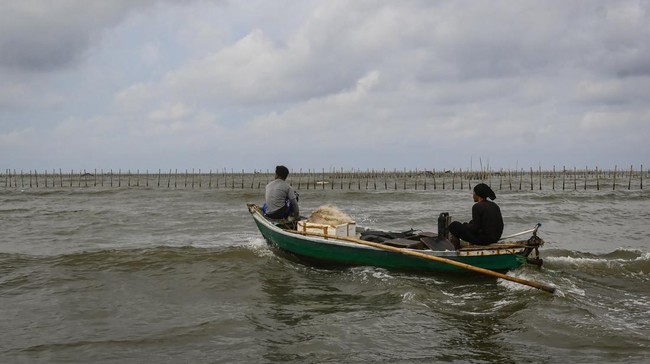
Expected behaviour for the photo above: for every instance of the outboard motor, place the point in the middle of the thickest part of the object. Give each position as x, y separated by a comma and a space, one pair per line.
443, 225
441, 242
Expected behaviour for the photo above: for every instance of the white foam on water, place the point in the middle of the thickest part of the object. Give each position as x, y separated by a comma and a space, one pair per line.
259, 246
503, 303
579, 261
570, 287
515, 286
600, 263
408, 297
615, 265
644, 256
366, 273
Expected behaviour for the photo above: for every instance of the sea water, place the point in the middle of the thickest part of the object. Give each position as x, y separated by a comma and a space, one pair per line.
146, 275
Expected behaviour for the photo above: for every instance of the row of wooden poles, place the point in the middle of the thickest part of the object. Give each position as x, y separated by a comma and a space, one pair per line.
564, 179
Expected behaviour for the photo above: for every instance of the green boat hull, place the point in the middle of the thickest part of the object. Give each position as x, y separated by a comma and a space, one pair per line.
344, 252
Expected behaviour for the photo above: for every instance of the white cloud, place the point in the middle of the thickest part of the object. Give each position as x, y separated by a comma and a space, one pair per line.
319, 119
19, 138
615, 123
135, 98
170, 113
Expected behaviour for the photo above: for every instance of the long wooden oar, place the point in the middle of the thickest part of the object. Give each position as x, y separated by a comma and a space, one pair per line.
537, 285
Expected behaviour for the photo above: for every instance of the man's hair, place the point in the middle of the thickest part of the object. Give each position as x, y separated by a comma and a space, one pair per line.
282, 172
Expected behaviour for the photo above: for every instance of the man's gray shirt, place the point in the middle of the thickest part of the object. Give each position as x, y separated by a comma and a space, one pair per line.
278, 192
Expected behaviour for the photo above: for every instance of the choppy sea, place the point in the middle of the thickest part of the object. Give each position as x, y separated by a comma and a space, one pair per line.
146, 275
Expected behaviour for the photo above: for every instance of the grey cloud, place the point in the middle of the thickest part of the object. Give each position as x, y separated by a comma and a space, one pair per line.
42, 35
36, 53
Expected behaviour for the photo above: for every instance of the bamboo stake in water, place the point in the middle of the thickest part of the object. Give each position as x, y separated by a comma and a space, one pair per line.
629, 183
453, 179
416, 179
554, 177
434, 179
374, 179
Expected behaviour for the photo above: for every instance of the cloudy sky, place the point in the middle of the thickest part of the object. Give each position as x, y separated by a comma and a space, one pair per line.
250, 84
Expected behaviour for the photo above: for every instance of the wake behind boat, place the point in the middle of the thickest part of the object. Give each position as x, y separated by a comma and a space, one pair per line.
346, 244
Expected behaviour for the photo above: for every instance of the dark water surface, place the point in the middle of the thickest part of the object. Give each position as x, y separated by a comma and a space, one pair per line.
172, 276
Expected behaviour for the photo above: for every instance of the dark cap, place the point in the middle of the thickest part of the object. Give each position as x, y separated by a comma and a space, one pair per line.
484, 191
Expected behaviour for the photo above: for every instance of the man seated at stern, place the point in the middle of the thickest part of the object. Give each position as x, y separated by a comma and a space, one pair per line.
486, 225
281, 199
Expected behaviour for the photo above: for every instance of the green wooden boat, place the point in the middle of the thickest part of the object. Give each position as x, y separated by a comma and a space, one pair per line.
410, 253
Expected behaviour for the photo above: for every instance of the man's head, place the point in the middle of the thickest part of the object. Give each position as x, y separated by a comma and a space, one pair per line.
281, 172
483, 191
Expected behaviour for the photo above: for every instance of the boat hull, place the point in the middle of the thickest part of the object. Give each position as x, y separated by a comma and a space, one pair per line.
330, 250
